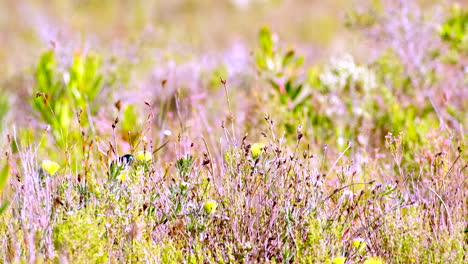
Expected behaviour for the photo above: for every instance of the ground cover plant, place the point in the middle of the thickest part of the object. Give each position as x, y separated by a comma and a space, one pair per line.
149, 138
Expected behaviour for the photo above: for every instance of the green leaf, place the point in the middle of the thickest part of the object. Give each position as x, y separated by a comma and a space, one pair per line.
45, 72
4, 176
388, 190
288, 57
296, 91
274, 85
4, 207
184, 165
130, 119
266, 41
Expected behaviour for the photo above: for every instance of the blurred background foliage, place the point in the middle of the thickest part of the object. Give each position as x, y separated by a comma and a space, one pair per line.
79, 65
189, 26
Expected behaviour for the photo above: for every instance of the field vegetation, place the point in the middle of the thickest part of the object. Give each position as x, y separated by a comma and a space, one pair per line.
241, 131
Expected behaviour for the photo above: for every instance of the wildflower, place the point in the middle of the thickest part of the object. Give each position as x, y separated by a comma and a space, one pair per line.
339, 260
359, 244
373, 260
123, 175
210, 206
144, 156
50, 167
257, 149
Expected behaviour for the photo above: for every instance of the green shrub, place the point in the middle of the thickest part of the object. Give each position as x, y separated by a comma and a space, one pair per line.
281, 70
61, 96
455, 30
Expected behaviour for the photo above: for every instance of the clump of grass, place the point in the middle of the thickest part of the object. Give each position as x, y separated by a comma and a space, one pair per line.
80, 236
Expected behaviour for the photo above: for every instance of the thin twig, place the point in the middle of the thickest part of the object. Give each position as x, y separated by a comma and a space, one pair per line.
229, 108
347, 186
336, 161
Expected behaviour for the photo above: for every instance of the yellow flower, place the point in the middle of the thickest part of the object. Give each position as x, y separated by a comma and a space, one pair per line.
123, 175
359, 243
50, 166
257, 149
210, 206
144, 156
373, 260
339, 260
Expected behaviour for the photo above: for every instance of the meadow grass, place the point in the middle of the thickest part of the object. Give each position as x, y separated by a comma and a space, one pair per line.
269, 156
